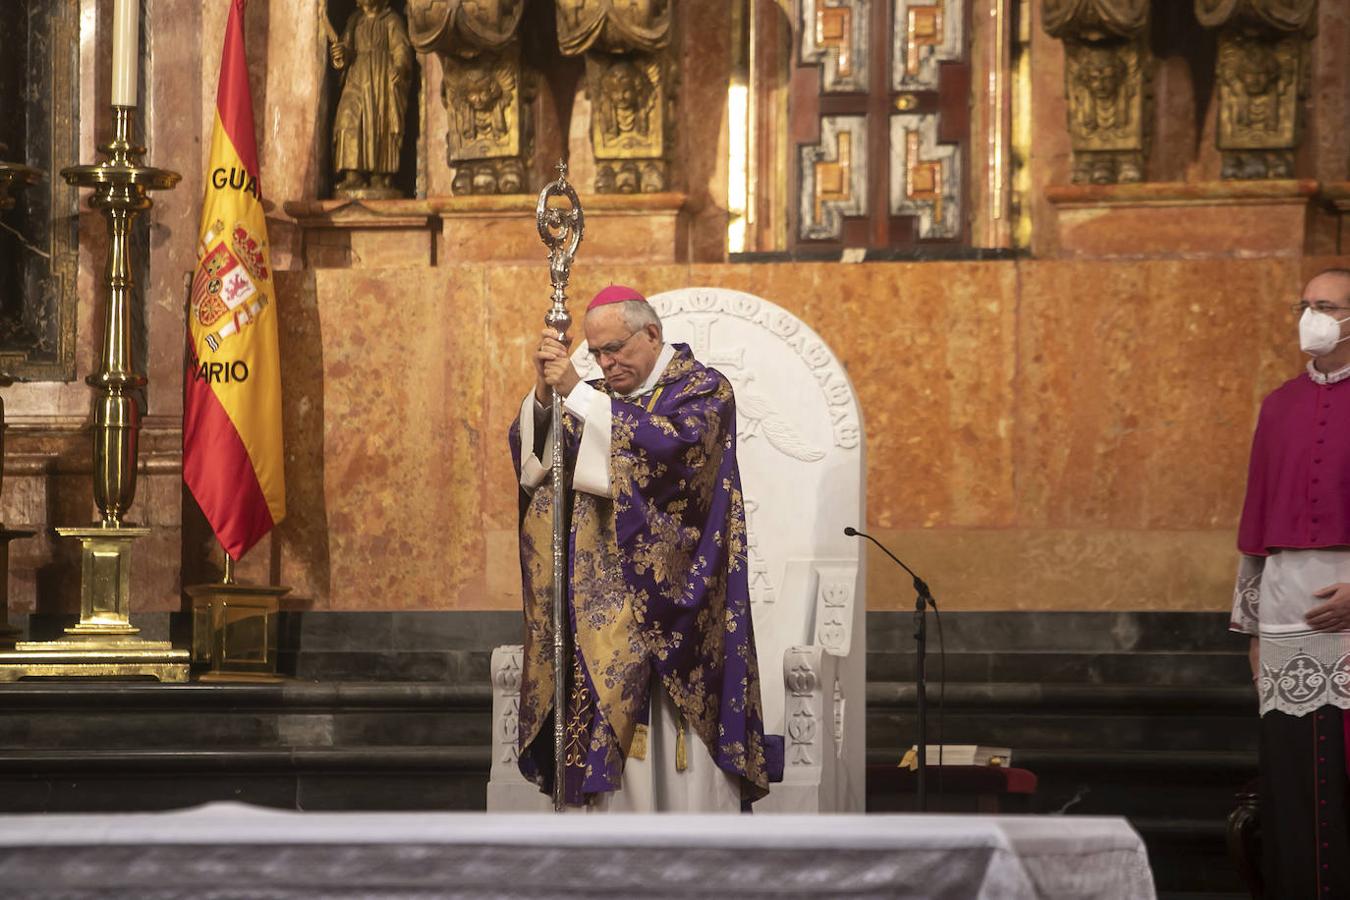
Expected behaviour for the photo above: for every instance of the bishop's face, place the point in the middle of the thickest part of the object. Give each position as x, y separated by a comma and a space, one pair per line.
627, 357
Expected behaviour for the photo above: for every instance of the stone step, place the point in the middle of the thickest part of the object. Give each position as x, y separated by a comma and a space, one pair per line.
1237, 699
124, 716
381, 778
290, 694
1093, 667
1058, 632
1067, 716
1087, 730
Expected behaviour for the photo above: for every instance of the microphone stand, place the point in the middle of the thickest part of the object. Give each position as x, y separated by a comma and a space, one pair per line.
922, 599
921, 691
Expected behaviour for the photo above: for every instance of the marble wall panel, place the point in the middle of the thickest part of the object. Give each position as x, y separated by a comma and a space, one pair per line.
383, 428
930, 350
1138, 386
1056, 568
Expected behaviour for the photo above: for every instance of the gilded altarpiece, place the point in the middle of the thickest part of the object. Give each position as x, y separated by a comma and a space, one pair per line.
487, 89
630, 78
880, 119
1107, 85
1262, 81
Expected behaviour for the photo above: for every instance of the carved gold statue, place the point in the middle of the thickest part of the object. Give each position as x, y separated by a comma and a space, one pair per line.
376, 60
1106, 83
628, 77
1262, 73
485, 87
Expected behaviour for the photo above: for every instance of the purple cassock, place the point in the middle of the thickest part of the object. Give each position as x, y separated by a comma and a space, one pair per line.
659, 596
1298, 482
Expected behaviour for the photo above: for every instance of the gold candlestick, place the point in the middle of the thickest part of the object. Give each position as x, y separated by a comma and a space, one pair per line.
104, 642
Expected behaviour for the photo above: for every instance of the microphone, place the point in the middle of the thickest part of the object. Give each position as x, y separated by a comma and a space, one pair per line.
920, 586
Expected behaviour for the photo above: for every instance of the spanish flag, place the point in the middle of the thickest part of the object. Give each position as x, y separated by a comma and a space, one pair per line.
232, 454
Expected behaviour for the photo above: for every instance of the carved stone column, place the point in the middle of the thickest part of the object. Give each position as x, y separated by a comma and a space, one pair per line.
1107, 75
1262, 77
631, 82
486, 90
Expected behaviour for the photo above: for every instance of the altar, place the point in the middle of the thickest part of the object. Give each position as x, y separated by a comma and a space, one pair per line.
228, 849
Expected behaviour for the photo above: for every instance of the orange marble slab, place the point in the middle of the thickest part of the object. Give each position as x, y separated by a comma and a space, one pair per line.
1139, 384
1181, 219
500, 229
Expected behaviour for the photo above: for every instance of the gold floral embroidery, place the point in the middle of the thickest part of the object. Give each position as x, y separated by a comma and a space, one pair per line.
578, 718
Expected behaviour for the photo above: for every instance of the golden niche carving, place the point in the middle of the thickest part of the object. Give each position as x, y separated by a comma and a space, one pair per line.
376, 62
1262, 71
485, 87
1107, 85
630, 80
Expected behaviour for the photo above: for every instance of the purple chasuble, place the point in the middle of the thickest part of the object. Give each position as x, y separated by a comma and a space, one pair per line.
658, 591
1298, 482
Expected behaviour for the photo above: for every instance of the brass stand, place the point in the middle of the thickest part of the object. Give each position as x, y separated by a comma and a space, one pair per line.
234, 629
104, 643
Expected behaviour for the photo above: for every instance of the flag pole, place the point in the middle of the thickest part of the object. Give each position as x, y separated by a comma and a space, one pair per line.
233, 459
561, 230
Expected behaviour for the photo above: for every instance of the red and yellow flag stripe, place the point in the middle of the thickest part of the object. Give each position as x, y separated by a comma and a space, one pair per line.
232, 443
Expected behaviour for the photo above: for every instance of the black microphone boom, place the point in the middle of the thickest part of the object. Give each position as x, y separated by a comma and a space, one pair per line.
920, 585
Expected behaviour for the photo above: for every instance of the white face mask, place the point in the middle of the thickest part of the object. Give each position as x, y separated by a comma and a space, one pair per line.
1319, 333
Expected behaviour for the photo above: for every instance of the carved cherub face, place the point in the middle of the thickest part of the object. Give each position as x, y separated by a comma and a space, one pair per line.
1101, 73
481, 91
1258, 71
623, 85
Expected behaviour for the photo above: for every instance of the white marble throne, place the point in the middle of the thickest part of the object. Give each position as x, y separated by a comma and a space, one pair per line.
801, 457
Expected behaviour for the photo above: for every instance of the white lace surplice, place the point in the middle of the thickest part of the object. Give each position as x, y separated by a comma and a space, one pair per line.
1301, 668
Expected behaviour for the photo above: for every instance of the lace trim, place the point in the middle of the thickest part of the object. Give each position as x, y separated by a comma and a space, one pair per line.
1302, 674
1246, 603
1317, 377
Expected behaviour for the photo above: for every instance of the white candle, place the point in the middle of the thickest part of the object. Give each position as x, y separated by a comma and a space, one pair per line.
126, 51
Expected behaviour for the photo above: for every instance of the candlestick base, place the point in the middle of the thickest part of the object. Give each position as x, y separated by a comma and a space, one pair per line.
104, 643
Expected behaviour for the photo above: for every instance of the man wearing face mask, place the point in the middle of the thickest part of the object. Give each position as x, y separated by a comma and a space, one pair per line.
1293, 598
665, 710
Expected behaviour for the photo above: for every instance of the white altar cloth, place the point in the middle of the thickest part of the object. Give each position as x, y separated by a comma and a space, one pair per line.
230, 850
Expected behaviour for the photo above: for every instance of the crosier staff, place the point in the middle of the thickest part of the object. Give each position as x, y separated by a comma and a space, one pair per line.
560, 229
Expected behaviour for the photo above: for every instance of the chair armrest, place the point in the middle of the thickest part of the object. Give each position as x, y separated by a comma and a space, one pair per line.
505, 669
